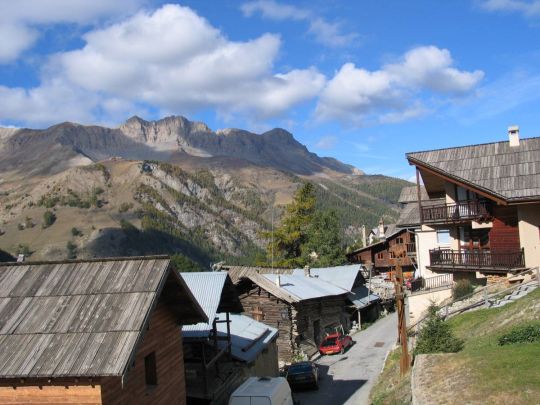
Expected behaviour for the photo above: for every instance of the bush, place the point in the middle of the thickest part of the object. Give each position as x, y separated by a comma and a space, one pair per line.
521, 334
71, 250
436, 335
76, 232
23, 250
48, 219
124, 207
461, 289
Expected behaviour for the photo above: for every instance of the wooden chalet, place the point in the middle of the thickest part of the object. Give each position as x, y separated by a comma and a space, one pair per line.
382, 255
489, 205
94, 332
302, 304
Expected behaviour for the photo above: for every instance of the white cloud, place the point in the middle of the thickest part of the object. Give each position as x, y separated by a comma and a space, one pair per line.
171, 59
327, 142
393, 93
18, 19
527, 8
324, 32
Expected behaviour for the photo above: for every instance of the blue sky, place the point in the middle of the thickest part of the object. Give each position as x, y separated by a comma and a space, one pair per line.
362, 81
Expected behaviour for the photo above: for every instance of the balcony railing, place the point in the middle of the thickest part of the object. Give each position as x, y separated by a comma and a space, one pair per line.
450, 259
462, 210
432, 283
411, 249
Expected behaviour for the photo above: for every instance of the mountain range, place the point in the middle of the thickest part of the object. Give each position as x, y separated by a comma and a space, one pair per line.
171, 185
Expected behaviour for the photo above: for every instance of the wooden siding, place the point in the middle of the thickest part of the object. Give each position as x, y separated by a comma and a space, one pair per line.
164, 338
504, 235
58, 392
275, 313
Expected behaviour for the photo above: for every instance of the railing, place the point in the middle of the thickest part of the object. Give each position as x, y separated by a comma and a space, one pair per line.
476, 259
411, 248
463, 210
431, 283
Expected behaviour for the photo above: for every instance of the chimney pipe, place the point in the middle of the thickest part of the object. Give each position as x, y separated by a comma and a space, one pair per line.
278, 280
307, 271
381, 229
20, 258
513, 135
363, 236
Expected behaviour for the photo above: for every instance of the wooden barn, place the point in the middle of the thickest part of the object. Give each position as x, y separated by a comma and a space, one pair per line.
93, 332
301, 304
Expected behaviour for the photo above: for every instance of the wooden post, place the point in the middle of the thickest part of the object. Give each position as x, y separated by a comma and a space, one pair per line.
419, 195
229, 335
402, 326
204, 370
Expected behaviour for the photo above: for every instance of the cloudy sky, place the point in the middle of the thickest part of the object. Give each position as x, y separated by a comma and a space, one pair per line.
363, 81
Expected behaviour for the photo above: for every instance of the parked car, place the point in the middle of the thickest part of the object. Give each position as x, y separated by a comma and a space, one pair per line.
335, 343
263, 391
303, 374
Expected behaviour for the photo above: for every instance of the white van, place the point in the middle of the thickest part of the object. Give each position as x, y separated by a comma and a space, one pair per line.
262, 391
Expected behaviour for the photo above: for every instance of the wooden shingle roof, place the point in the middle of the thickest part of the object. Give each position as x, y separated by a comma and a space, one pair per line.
410, 194
81, 318
509, 173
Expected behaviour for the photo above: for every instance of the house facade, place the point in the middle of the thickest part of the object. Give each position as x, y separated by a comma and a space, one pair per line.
62, 342
485, 201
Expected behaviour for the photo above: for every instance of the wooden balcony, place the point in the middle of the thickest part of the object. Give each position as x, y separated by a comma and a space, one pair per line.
454, 260
478, 210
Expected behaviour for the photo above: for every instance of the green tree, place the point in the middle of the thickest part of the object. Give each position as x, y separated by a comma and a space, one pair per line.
288, 239
71, 250
48, 219
184, 264
23, 249
324, 238
436, 336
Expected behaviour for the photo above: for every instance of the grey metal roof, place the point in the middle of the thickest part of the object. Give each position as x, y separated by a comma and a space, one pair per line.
76, 318
248, 336
360, 297
510, 173
410, 194
341, 276
304, 288
238, 272
214, 292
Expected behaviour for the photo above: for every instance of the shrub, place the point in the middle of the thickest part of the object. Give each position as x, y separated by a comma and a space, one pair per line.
20, 227
124, 207
76, 232
521, 334
461, 289
23, 249
48, 219
436, 336
71, 250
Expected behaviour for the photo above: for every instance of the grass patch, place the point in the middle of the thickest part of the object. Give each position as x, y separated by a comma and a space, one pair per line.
495, 374
390, 388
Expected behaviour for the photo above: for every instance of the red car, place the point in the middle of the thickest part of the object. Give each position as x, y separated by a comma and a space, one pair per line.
335, 343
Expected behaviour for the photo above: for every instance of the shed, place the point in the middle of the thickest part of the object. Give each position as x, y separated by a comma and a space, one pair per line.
96, 331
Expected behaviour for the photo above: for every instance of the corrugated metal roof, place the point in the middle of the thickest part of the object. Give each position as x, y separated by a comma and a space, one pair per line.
248, 336
511, 173
207, 288
75, 318
304, 288
341, 276
360, 297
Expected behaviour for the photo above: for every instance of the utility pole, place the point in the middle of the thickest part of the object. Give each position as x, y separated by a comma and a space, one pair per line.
402, 325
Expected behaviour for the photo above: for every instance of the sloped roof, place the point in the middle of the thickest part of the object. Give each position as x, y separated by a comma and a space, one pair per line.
238, 272
409, 216
360, 297
410, 194
248, 336
81, 318
215, 293
509, 173
389, 231
341, 276
300, 288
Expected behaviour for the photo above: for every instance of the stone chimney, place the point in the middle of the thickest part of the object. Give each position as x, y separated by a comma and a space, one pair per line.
278, 280
513, 135
363, 236
307, 271
381, 229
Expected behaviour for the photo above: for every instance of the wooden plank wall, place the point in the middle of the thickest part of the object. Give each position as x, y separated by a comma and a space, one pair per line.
504, 235
276, 313
163, 338
56, 393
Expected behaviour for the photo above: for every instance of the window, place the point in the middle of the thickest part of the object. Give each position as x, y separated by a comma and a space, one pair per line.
380, 255
400, 240
257, 314
443, 237
150, 369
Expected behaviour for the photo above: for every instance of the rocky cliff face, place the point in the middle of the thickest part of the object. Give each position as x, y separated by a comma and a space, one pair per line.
27, 150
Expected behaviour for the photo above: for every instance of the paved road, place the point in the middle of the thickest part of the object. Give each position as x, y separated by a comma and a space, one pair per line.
348, 378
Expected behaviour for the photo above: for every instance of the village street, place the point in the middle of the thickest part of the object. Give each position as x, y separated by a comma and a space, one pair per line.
348, 378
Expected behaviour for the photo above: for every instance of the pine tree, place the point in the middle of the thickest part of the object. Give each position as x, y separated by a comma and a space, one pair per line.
325, 239
436, 336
